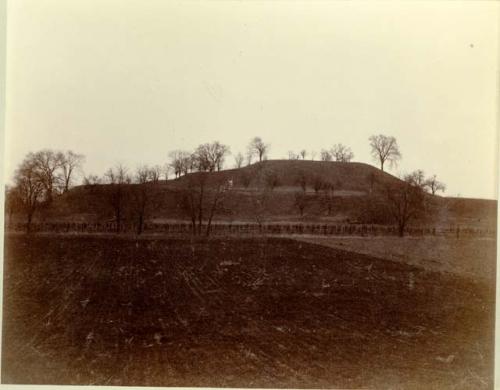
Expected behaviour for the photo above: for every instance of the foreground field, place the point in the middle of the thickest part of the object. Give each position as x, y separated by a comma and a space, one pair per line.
239, 312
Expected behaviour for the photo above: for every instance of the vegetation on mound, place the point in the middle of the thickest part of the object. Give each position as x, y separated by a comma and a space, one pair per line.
202, 192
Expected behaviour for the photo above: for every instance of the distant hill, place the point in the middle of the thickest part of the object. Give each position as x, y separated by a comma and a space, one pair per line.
344, 176
358, 193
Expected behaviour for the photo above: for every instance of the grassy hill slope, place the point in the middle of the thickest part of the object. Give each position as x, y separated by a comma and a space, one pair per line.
358, 193
345, 176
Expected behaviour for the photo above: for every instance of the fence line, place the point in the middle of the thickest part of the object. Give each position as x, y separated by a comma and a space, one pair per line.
253, 228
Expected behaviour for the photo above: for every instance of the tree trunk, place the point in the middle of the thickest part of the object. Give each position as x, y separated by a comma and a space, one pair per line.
211, 215
49, 195
28, 222
118, 221
193, 225
401, 229
140, 227
209, 226
200, 211
200, 221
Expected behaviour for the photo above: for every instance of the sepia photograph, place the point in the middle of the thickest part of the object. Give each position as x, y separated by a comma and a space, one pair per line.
250, 194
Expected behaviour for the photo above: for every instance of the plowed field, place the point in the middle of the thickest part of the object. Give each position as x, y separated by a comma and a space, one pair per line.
250, 312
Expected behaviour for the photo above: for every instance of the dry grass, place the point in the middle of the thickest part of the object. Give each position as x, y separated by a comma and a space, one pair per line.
474, 258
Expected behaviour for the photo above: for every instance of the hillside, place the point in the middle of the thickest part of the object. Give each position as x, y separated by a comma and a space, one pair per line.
358, 192
346, 176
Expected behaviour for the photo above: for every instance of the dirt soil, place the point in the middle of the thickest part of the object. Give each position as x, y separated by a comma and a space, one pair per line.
248, 312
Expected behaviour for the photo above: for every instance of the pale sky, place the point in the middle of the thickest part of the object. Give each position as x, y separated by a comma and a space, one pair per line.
127, 81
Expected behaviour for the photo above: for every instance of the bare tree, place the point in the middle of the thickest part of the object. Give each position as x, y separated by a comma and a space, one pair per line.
220, 153
118, 175
91, 180
301, 180
260, 198
417, 178
217, 197
211, 156
384, 148
249, 157
12, 203
342, 153
246, 178
318, 183
238, 160
202, 199
141, 174
303, 154
406, 200
181, 162
192, 200
189, 163
292, 155
141, 195
117, 178
328, 195
174, 158
29, 187
154, 174
434, 185
313, 155
258, 148
142, 203
301, 201
201, 162
46, 164
70, 163
326, 155
165, 170
271, 179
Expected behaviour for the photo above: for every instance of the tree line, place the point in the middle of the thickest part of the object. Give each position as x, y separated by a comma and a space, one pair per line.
47, 173
400, 202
